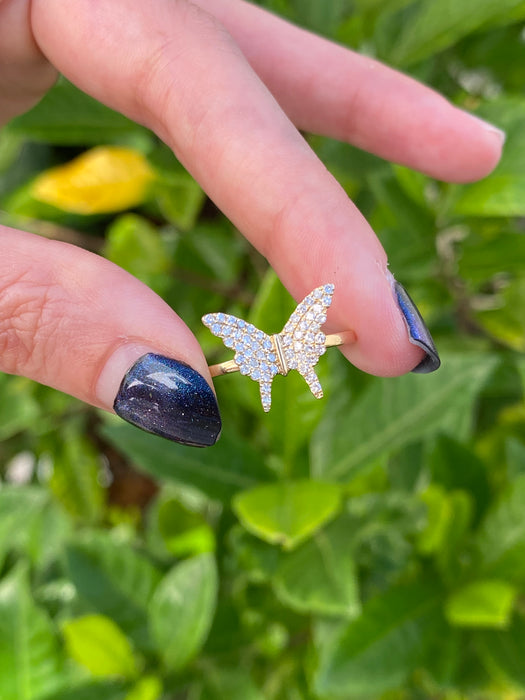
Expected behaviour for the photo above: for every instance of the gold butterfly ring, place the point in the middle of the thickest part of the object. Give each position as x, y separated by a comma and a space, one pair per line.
298, 346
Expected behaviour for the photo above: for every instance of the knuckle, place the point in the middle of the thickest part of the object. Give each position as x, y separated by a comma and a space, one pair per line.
163, 89
285, 226
155, 82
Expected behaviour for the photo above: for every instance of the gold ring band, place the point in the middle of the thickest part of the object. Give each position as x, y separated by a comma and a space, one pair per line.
332, 341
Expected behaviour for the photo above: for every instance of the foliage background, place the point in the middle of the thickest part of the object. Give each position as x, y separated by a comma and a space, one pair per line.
368, 545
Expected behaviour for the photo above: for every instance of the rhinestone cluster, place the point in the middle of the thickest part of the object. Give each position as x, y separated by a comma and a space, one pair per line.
301, 343
302, 340
254, 350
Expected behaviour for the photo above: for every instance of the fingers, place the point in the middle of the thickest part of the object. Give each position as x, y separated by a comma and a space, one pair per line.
76, 322
327, 89
25, 74
171, 67
323, 87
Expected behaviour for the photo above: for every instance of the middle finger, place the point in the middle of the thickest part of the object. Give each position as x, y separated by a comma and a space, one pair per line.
173, 67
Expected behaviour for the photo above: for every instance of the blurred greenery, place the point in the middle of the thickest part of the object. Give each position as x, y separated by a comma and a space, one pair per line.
370, 545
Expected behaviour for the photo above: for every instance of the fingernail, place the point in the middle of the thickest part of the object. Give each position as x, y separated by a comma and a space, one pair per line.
491, 128
418, 333
168, 398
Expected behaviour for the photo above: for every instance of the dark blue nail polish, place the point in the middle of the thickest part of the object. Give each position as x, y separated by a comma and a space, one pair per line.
170, 399
418, 333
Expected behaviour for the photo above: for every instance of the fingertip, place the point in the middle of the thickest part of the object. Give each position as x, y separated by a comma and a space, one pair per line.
390, 356
78, 323
445, 141
418, 333
481, 146
391, 336
496, 134
115, 364
163, 396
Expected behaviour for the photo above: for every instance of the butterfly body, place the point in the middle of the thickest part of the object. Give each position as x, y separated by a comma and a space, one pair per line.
299, 345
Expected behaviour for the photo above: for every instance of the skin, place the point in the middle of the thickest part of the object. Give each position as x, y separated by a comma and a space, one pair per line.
226, 86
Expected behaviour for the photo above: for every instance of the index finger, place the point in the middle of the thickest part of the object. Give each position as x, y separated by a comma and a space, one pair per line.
328, 89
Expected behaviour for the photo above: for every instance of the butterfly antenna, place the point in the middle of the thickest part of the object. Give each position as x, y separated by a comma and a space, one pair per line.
266, 395
313, 382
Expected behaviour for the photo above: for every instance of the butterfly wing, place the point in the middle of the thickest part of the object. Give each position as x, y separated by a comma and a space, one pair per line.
254, 351
302, 340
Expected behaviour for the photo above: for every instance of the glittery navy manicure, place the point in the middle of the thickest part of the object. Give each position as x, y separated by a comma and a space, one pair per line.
418, 333
170, 399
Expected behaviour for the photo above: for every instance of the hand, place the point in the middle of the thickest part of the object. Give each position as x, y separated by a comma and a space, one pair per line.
226, 85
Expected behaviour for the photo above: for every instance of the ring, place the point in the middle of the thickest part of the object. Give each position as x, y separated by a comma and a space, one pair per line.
298, 346
331, 341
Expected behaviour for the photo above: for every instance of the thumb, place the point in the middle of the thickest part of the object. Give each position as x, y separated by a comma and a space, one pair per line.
80, 324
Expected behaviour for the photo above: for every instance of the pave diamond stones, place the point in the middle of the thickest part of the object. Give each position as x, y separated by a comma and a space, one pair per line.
299, 345
254, 351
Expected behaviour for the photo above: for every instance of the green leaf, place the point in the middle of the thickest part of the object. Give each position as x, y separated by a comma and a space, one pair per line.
432, 26
482, 259
449, 516
445, 657
454, 466
213, 250
287, 513
405, 468
349, 165
20, 509
17, 163
230, 466
91, 690
184, 532
65, 115
397, 215
258, 559
182, 609
438, 514
75, 480
97, 643
231, 683
507, 322
180, 202
503, 653
18, 409
137, 246
502, 193
31, 525
323, 17
147, 688
320, 576
486, 603
377, 651
10, 149
115, 581
178, 195
395, 412
501, 539
520, 364
30, 662
383, 527
515, 458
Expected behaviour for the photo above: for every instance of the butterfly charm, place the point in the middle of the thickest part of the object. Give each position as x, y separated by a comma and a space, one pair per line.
298, 346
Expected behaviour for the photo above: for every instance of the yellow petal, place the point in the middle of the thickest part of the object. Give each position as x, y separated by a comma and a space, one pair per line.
102, 180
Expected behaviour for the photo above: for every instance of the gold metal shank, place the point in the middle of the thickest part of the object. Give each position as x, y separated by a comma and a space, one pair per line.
332, 341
